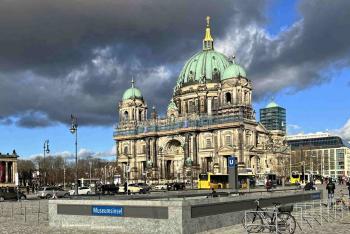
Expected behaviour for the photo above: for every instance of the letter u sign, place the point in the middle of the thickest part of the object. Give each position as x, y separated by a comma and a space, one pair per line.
231, 162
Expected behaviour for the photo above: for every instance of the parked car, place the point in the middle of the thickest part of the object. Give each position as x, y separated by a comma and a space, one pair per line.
81, 191
309, 186
145, 186
110, 189
11, 194
176, 186
48, 192
132, 188
161, 187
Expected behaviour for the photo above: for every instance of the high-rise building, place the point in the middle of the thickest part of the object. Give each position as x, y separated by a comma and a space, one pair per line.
273, 117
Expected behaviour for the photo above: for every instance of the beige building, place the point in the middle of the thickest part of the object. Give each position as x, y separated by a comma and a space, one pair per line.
8, 169
322, 153
209, 118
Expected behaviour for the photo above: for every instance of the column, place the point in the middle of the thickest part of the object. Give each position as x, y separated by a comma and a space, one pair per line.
195, 149
209, 105
6, 172
241, 145
117, 150
14, 171
148, 149
187, 146
155, 157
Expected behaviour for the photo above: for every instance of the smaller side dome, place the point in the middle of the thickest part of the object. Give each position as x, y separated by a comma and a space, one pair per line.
132, 93
234, 71
172, 106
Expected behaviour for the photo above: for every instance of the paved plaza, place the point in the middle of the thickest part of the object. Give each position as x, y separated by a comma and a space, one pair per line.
31, 217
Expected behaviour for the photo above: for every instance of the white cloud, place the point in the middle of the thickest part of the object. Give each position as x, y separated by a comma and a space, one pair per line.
344, 131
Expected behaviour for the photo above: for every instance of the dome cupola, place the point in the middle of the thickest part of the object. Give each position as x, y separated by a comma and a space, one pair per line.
132, 93
234, 71
207, 65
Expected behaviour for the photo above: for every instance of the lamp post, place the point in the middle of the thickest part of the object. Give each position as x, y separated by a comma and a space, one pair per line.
46, 150
90, 164
74, 130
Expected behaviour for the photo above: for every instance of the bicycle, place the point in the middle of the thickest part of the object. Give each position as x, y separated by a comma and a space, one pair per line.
343, 202
261, 219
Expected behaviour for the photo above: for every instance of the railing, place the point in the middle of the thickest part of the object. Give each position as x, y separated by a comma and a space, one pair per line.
168, 125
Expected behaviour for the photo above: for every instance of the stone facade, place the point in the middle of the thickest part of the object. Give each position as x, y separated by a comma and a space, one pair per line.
209, 118
8, 169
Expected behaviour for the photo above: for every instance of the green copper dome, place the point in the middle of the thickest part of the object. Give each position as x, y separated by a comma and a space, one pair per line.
272, 104
233, 71
132, 93
207, 65
172, 106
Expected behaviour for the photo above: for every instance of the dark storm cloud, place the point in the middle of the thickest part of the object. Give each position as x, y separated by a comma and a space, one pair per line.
62, 57
54, 36
307, 53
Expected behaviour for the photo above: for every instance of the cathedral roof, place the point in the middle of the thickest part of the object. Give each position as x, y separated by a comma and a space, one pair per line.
172, 105
233, 71
132, 93
203, 66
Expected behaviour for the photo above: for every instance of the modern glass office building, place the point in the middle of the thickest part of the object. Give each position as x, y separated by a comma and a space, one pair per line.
273, 117
323, 154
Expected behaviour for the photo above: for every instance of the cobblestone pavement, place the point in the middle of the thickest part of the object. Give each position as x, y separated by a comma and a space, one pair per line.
12, 221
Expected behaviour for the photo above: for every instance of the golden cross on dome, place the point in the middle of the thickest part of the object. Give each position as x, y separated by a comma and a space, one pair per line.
208, 21
132, 81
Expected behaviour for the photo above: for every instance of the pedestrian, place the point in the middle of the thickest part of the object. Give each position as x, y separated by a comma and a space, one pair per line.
268, 185
213, 193
27, 189
348, 185
330, 188
126, 187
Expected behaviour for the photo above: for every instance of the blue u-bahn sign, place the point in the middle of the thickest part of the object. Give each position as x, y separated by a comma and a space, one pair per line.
231, 161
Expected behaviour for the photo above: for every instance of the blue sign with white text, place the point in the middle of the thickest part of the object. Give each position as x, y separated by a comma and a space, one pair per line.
107, 210
231, 161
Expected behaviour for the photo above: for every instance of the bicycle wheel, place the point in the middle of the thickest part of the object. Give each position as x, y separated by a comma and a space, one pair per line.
286, 223
253, 223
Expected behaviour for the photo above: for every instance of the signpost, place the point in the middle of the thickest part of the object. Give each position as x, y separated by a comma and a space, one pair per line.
232, 172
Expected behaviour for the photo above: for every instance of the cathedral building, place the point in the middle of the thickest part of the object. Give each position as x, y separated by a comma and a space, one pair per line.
209, 118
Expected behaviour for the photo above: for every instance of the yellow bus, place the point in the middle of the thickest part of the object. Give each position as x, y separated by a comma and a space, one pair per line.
297, 178
209, 180
220, 181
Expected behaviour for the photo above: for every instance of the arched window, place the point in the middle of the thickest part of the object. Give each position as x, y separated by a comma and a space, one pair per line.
228, 140
172, 118
126, 150
126, 115
228, 98
140, 115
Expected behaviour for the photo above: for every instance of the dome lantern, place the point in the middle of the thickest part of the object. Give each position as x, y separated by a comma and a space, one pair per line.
208, 41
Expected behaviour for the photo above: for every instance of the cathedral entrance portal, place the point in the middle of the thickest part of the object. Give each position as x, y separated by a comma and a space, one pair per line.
172, 160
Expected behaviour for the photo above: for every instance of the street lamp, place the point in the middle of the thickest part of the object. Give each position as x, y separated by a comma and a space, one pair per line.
90, 164
74, 130
46, 150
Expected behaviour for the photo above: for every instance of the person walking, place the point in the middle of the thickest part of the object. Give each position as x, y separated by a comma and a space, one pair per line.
330, 188
348, 185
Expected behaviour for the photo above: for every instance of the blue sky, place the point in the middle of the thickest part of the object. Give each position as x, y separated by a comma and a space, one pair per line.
318, 105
